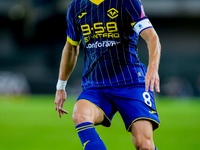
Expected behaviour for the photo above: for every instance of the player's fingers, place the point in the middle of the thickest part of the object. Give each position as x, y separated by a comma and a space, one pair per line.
62, 100
62, 103
152, 85
59, 113
147, 84
157, 85
64, 111
56, 103
57, 106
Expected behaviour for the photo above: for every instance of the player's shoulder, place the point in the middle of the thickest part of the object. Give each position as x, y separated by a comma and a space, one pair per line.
75, 6
132, 2
72, 5
76, 3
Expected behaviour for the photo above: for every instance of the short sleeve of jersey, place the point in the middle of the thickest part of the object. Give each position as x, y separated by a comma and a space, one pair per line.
140, 21
72, 33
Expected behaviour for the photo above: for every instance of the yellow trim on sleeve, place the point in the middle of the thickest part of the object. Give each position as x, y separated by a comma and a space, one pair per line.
75, 43
132, 24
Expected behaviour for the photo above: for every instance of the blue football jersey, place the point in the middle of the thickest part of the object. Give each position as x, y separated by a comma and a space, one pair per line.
108, 31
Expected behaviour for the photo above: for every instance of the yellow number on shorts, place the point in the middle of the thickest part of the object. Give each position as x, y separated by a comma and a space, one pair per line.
147, 98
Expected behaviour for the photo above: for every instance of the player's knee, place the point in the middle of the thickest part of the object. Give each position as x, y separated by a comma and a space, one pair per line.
80, 118
145, 147
144, 144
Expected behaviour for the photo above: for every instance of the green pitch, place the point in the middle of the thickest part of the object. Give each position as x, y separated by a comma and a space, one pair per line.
31, 123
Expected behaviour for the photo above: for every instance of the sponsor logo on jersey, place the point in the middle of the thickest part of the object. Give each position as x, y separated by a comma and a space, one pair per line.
112, 13
102, 44
82, 14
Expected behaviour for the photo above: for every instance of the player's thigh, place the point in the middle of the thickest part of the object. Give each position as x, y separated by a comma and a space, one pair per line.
85, 111
142, 134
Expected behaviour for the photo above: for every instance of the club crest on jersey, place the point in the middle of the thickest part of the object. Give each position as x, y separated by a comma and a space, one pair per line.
112, 13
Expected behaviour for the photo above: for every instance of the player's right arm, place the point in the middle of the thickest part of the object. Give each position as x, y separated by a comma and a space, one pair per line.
68, 62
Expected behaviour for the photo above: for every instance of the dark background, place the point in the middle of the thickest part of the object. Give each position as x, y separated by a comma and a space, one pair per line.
32, 36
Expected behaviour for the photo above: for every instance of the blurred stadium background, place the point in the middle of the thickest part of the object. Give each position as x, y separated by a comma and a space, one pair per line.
32, 36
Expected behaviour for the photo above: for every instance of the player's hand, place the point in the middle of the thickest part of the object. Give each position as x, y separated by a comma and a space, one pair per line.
60, 98
152, 79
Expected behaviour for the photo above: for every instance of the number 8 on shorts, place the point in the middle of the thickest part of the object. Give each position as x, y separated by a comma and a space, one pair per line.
147, 98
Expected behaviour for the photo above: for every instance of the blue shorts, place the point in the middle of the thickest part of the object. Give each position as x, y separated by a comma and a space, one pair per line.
132, 102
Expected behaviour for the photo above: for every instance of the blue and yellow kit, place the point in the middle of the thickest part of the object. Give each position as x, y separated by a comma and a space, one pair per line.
109, 32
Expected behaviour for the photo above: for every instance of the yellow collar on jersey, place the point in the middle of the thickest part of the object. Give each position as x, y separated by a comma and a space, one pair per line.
97, 2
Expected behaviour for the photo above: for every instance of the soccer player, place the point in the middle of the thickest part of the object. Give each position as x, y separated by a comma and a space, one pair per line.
113, 79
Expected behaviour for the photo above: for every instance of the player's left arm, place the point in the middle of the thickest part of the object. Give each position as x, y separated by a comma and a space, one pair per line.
153, 43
